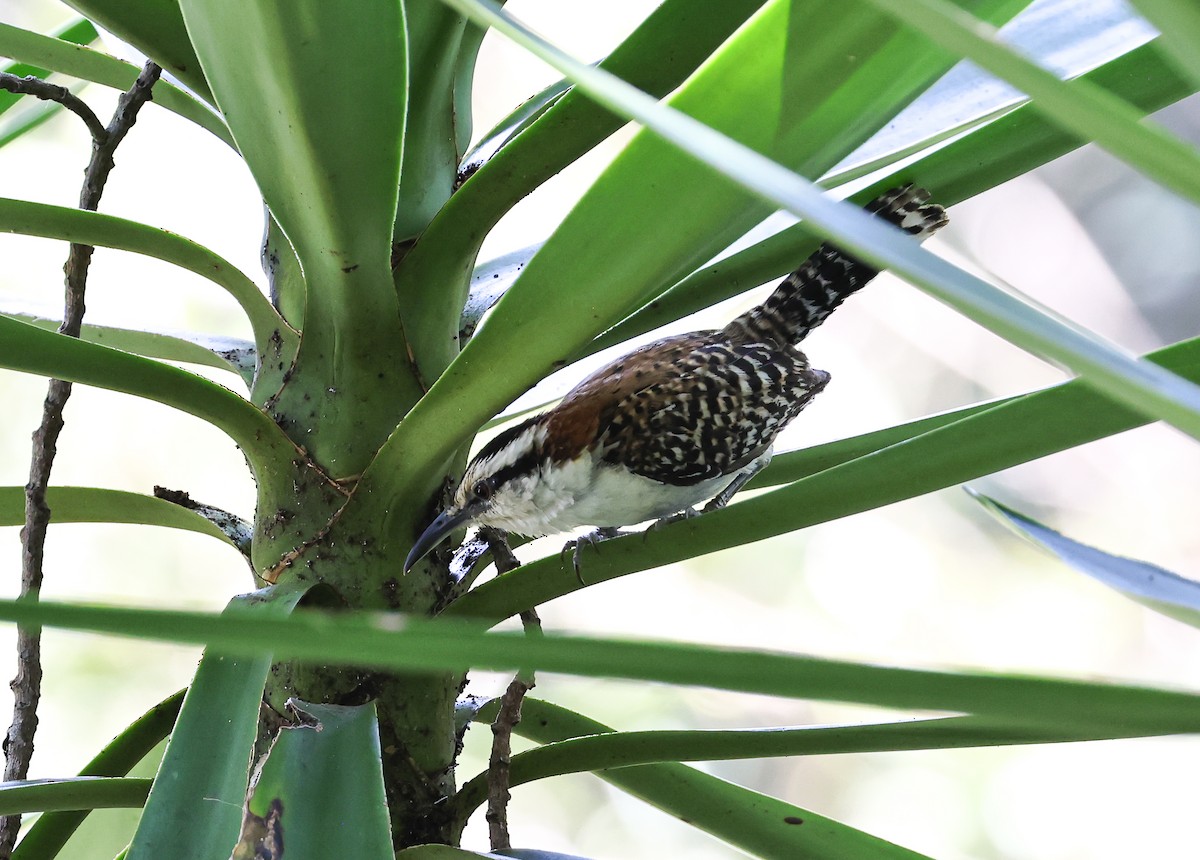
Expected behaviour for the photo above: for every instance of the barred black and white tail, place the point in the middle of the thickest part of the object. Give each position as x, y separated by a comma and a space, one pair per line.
826, 279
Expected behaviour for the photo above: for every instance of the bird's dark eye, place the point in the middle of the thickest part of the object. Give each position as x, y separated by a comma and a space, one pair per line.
482, 490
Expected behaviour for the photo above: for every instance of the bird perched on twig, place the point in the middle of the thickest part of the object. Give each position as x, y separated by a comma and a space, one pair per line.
676, 422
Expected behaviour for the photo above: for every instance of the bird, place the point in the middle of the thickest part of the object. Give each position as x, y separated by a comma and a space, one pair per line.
673, 423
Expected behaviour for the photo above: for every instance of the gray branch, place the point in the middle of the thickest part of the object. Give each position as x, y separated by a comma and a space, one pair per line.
509, 714
27, 685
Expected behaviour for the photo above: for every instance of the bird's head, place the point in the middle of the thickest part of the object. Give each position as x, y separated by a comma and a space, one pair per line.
497, 488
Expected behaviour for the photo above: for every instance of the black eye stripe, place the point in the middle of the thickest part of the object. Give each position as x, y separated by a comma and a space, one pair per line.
492, 448
524, 465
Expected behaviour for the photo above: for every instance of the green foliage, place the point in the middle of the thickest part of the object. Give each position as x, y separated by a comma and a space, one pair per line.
363, 395
1148, 584
337, 748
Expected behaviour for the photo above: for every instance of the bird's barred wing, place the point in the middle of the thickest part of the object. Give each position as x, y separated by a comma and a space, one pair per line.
709, 414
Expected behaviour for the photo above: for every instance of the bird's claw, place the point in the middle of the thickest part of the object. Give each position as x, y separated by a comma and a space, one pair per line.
685, 514
592, 538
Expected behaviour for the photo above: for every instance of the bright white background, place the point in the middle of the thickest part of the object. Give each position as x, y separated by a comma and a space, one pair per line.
928, 583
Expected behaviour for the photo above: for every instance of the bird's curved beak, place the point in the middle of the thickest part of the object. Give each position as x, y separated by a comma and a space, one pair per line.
446, 522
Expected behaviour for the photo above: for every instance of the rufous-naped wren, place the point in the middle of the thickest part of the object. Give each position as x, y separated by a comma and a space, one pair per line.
676, 422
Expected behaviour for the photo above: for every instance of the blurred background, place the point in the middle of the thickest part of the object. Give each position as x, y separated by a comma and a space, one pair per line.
929, 583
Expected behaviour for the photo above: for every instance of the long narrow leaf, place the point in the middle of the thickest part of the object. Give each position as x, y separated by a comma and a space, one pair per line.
96, 505
1124, 379
1179, 23
1085, 110
31, 113
79, 792
235, 355
194, 811
760, 825
1148, 584
31, 350
94, 228
1012, 145
601, 752
46, 837
393, 642
154, 27
790, 466
78, 32
661, 52
526, 113
80, 62
434, 42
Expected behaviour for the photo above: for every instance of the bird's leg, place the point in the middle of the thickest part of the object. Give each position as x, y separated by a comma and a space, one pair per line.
740, 480
685, 514
721, 499
592, 538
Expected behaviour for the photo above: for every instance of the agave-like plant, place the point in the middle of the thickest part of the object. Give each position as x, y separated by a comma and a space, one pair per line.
325, 718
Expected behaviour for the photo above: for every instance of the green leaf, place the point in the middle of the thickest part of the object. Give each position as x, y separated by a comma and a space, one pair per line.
657, 57
77, 61
435, 36
847, 477
489, 282
320, 135
96, 505
755, 823
390, 641
1124, 379
324, 778
791, 466
194, 811
768, 88
607, 751
464, 84
232, 354
439, 852
29, 115
526, 114
154, 27
1148, 584
80, 792
31, 350
1179, 23
990, 155
273, 336
78, 32
46, 837
1078, 107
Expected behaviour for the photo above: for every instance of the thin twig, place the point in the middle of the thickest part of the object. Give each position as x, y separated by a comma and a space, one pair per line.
509, 715
49, 92
26, 686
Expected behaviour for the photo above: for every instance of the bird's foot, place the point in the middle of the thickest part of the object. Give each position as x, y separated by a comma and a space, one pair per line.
594, 539
685, 514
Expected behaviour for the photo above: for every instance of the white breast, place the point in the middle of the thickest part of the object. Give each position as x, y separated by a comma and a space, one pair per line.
585, 493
